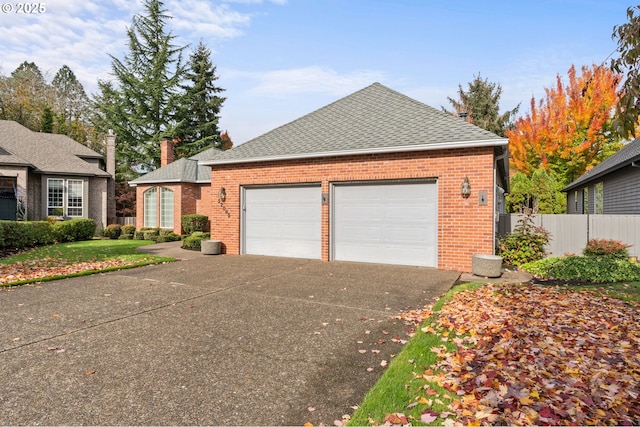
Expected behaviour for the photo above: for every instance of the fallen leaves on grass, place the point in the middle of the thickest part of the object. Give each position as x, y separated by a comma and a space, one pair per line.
48, 267
538, 355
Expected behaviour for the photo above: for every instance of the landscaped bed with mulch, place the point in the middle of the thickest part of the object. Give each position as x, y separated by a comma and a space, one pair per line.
516, 355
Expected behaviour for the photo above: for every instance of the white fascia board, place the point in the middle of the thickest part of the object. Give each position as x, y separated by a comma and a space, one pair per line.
406, 148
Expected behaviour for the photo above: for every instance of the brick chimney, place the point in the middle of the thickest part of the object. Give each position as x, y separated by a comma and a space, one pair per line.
166, 151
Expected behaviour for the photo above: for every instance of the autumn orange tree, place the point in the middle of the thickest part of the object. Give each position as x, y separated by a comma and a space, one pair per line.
569, 131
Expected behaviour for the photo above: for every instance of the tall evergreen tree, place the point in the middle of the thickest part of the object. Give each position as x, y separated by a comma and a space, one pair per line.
46, 125
199, 109
480, 105
139, 103
70, 94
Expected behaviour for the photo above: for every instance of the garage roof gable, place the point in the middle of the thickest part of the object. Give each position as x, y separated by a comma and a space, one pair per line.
372, 120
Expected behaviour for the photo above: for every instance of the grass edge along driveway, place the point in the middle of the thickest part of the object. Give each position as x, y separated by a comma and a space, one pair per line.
517, 355
53, 262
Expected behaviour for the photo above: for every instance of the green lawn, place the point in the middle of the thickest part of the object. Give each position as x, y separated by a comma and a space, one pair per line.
401, 390
74, 259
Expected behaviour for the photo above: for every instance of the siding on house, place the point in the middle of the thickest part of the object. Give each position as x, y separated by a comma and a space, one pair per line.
620, 193
464, 226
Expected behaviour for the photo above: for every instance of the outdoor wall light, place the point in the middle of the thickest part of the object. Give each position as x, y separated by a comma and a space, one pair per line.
465, 189
222, 194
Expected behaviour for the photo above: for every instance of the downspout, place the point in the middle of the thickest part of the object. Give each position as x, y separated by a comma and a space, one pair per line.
496, 159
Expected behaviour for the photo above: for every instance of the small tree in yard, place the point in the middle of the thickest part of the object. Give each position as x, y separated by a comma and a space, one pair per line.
525, 244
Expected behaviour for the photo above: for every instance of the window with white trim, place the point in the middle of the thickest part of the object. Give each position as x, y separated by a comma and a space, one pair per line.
151, 207
65, 197
166, 208
55, 197
74, 197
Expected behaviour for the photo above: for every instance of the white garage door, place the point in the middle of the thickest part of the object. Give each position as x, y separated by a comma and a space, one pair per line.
389, 223
282, 221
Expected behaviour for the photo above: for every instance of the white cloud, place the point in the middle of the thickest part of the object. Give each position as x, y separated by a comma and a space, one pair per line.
202, 19
313, 79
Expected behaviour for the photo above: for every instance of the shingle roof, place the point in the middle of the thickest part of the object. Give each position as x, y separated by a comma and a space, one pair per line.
182, 170
374, 119
623, 157
45, 152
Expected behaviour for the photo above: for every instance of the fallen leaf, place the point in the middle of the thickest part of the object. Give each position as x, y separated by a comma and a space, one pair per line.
428, 417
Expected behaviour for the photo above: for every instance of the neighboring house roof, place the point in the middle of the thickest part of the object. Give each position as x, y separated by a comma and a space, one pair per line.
375, 119
46, 153
627, 155
182, 170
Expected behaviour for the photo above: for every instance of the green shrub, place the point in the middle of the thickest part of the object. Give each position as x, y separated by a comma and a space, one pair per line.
168, 237
525, 244
591, 269
125, 236
128, 229
194, 222
606, 247
113, 231
138, 235
165, 232
151, 234
25, 234
193, 240
74, 230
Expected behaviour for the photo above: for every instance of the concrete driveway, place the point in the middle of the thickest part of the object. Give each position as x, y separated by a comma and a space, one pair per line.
218, 340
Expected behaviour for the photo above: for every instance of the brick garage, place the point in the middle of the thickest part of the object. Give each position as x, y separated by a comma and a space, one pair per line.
375, 136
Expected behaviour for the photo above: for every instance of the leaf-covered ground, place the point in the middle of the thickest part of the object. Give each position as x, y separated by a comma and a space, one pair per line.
533, 355
50, 267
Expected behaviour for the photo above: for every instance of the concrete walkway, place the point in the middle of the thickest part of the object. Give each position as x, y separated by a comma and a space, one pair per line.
210, 340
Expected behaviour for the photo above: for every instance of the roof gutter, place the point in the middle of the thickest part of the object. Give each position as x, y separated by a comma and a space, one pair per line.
382, 150
169, 181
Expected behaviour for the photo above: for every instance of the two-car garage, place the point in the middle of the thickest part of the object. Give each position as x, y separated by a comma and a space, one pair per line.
392, 222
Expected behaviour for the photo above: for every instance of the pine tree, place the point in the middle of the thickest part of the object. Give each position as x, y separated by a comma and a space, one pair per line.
139, 103
46, 125
480, 105
199, 108
71, 97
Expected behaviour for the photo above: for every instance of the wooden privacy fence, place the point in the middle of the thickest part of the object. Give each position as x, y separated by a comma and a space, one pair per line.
570, 233
126, 220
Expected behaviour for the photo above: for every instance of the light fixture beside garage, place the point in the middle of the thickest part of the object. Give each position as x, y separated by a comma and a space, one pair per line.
222, 195
465, 189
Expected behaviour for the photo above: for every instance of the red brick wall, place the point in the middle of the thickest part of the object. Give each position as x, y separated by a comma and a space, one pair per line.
187, 199
464, 227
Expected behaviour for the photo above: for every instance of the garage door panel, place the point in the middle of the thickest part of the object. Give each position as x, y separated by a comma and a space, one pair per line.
394, 223
282, 221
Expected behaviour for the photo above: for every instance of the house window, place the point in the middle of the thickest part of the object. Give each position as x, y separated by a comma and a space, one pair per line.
65, 197
575, 196
151, 207
74, 197
585, 200
55, 197
166, 208
599, 199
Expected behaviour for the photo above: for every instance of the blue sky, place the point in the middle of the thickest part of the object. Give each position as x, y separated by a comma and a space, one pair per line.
281, 59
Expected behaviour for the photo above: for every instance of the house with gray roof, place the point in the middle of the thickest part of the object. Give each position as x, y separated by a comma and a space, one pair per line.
176, 188
610, 187
373, 177
44, 174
